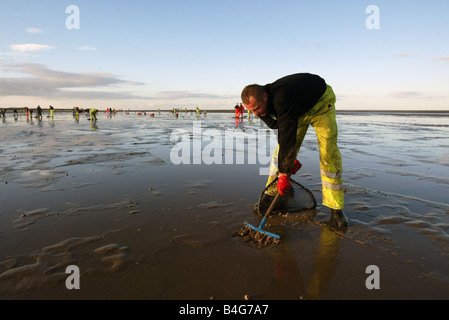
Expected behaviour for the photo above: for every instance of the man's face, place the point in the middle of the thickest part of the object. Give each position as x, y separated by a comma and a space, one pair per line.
258, 108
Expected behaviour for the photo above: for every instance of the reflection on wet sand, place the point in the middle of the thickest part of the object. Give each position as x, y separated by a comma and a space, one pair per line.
289, 283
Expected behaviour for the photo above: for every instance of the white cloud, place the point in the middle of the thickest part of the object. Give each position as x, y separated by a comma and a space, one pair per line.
27, 47
416, 95
87, 48
42, 81
175, 95
38, 80
405, 94
406, 55
14, 54
34, 30
442, 58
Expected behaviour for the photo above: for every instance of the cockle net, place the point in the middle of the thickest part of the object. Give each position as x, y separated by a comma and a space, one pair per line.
298, 199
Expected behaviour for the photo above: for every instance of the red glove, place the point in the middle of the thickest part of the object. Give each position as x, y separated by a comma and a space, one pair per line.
296, 166
283, 185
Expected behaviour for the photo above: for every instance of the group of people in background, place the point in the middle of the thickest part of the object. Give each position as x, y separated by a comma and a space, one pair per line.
76, 111
29, 112
39, 112
177, 111
92, 112
239, 112
239, 109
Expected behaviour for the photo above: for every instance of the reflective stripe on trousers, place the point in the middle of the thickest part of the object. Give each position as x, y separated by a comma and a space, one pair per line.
322, 118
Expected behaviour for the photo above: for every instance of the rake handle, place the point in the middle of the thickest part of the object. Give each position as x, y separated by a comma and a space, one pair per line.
271, 208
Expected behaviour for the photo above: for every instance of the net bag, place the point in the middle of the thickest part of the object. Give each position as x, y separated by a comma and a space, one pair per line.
298, 199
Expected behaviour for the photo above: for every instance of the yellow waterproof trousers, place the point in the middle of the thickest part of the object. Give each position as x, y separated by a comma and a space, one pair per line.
322, 118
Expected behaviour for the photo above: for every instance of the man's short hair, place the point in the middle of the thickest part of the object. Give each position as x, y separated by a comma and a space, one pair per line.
253, 90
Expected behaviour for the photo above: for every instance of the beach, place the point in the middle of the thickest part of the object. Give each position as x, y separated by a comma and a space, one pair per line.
148, 208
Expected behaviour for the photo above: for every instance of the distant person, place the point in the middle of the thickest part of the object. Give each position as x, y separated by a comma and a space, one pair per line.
52, 110
76, 114
3, 111
39, 112
291, 104
93, 114
242, 109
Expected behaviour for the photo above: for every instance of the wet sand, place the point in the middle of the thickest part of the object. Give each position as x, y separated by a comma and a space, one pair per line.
107, 198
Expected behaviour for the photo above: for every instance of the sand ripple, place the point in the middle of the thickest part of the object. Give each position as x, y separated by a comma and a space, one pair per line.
47, 266
384, 212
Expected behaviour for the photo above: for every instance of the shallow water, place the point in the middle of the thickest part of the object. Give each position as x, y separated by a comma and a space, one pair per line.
108, 198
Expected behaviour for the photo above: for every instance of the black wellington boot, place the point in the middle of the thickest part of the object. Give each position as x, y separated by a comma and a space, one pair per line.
338, 219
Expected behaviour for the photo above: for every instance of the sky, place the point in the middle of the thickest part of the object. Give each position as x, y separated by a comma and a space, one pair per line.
140, 54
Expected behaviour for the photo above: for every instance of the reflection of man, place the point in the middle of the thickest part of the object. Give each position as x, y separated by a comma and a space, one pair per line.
325, 264
288, 282
290, 105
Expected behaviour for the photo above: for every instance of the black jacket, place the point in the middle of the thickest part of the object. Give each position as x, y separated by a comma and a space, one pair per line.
289, 98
